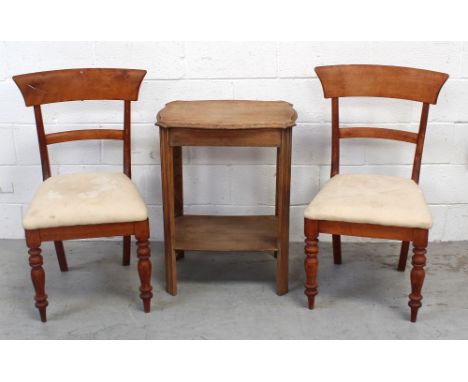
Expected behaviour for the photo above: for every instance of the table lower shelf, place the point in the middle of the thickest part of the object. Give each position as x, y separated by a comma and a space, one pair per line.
226, 233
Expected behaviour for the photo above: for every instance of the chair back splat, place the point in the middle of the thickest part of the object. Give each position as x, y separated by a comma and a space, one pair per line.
80, 85
380, 81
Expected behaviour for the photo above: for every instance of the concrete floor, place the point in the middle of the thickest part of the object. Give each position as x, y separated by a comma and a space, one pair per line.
231, 296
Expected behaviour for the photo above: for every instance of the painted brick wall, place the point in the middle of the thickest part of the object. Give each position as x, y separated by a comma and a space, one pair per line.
238, 181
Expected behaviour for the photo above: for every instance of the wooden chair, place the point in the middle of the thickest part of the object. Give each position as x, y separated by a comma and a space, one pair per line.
86, 205
371, 205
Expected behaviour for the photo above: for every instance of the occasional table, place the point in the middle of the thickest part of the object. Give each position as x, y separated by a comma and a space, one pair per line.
225, 123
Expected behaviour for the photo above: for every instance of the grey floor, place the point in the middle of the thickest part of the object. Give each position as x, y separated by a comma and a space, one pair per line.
231, 296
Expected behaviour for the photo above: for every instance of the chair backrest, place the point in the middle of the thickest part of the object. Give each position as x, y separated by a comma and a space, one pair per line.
78, 85
380, 81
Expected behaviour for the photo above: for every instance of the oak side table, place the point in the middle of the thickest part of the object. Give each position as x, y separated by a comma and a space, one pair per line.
225, 123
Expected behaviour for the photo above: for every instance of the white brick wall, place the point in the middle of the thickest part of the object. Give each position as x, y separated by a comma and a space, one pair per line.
234, 180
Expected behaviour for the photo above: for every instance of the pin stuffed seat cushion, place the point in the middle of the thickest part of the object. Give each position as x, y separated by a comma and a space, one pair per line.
371, 199
85, 199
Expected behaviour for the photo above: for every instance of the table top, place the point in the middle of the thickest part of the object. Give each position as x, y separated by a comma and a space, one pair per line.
227, 114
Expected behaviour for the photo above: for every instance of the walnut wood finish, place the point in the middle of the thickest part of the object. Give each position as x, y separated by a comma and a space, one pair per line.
374, 81
84, 84
243, 125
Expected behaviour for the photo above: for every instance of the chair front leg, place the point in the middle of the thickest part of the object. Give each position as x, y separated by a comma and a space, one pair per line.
311, 260
37, 273
144, 264
417, 273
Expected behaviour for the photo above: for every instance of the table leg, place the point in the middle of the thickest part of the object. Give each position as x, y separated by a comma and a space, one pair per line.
283, 185
167, 180
275, 253
178, 189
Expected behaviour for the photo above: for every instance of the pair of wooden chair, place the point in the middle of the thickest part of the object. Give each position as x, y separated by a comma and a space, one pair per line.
374, 206
93, 205
87, 205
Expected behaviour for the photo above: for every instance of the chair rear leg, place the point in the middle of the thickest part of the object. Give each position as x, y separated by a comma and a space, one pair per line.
336, 249
62, 259
126, 250
403, 256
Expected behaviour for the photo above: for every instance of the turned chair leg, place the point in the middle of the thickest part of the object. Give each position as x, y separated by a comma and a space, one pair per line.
144, 266
60, 251
37, 274
417, 273
311, 260
126, 250
336, 249
403, 256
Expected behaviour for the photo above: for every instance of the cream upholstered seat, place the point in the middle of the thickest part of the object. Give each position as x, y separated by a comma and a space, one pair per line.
371, 199
85, 198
